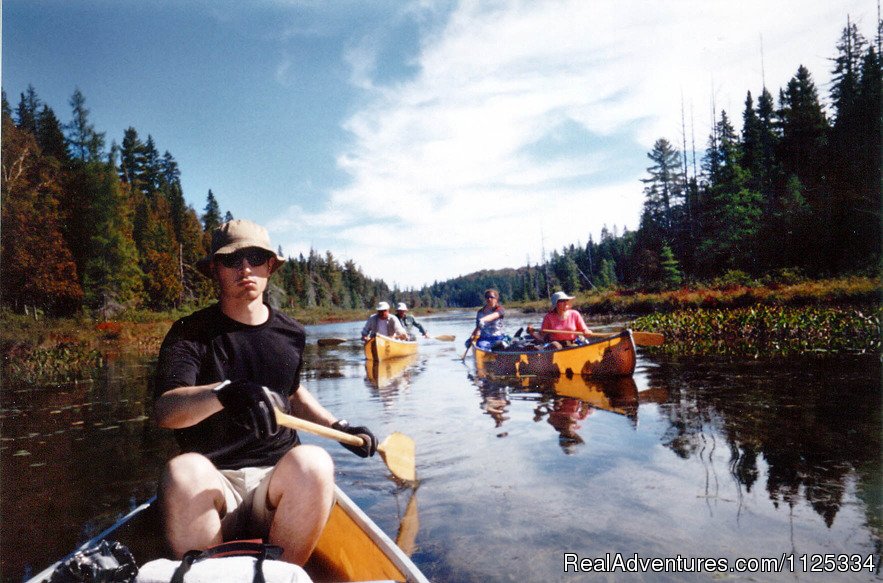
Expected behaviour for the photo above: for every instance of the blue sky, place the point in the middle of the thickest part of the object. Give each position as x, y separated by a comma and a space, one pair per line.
424, 139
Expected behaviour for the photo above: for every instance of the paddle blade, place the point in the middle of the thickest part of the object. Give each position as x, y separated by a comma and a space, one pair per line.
330, 341
399, 452
445, 337
648, 338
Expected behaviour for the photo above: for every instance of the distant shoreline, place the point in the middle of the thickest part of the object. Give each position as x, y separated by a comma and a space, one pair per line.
67, 348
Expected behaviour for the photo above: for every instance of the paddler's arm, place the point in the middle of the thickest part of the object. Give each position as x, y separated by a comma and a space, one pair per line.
539, 336
495, 315
305, 406
186, 406
581, 324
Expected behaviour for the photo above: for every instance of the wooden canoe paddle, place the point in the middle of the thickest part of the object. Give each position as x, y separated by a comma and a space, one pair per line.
641, 338
473, 338
336, 341
397, 450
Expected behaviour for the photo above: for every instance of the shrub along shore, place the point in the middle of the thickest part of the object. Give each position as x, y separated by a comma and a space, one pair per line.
837, 315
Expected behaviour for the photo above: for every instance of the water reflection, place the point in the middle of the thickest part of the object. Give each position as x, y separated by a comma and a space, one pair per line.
386, 373
812, 428
565, 402
770, 456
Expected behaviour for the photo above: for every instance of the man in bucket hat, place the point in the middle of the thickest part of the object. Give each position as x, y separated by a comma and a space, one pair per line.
381, 322
408, 321
220, 374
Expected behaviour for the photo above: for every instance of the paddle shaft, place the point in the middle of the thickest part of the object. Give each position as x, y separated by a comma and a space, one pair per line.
397, 450
316, 429
472, 339
578, 333
642, 338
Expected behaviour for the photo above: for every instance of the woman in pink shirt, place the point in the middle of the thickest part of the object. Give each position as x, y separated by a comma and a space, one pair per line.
561, 317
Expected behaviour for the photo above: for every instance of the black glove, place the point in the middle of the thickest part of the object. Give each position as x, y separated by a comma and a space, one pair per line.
251, 406
368, 448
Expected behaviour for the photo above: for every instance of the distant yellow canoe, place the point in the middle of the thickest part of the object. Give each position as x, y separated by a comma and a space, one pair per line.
604, 357
383, 347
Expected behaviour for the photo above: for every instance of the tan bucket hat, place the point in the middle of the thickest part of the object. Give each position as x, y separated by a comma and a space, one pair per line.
233, 236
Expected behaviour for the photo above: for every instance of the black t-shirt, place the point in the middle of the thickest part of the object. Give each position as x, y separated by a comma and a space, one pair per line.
208, 347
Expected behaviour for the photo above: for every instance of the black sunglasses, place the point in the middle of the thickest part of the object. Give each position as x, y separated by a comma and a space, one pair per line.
490, 296
255, 258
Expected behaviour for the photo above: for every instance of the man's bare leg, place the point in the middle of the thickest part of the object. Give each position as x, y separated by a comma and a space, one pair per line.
302, 492
191, 500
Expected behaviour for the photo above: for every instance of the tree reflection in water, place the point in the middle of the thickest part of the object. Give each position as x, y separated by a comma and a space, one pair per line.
815, 424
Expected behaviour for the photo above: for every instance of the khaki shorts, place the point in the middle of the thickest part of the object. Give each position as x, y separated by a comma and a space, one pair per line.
248, 513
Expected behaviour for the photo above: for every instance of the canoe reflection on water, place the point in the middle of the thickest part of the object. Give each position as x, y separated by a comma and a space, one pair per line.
565, 402
390, 377
384, 373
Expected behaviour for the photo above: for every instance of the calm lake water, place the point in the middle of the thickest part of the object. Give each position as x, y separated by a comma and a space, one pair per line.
693, 458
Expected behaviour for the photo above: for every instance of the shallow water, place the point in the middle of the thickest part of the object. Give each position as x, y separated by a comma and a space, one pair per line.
693, 458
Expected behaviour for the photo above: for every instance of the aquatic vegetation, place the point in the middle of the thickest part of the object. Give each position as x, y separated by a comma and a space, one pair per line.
768, 329
39, 365
726, 292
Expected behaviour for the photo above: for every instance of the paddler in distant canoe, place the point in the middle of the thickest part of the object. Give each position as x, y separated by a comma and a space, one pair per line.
221, 373
408, 321
489, 333
562, 317
383, 323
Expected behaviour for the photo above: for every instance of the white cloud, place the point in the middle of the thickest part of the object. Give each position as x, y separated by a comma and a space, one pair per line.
444, 181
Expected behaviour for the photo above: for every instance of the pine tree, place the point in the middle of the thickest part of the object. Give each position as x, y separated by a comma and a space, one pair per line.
854, 152
664, 190
846, 74
566, 272
671, 272
803, 151
732, 210
85, 143
111, 276
752, 148
27, 110
133, 160
5, 108
152, 175
50, 136
211, 219
607, 274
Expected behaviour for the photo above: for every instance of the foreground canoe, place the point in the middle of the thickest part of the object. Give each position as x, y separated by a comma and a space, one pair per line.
383, 348
610, 356
352, 547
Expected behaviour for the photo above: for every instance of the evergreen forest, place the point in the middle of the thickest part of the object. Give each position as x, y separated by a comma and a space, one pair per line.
103, 227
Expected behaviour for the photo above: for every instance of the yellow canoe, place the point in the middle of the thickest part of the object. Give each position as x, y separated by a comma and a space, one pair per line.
603, 357
383, 348
352, 547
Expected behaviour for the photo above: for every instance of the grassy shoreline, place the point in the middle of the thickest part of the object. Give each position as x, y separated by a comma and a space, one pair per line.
841, 314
